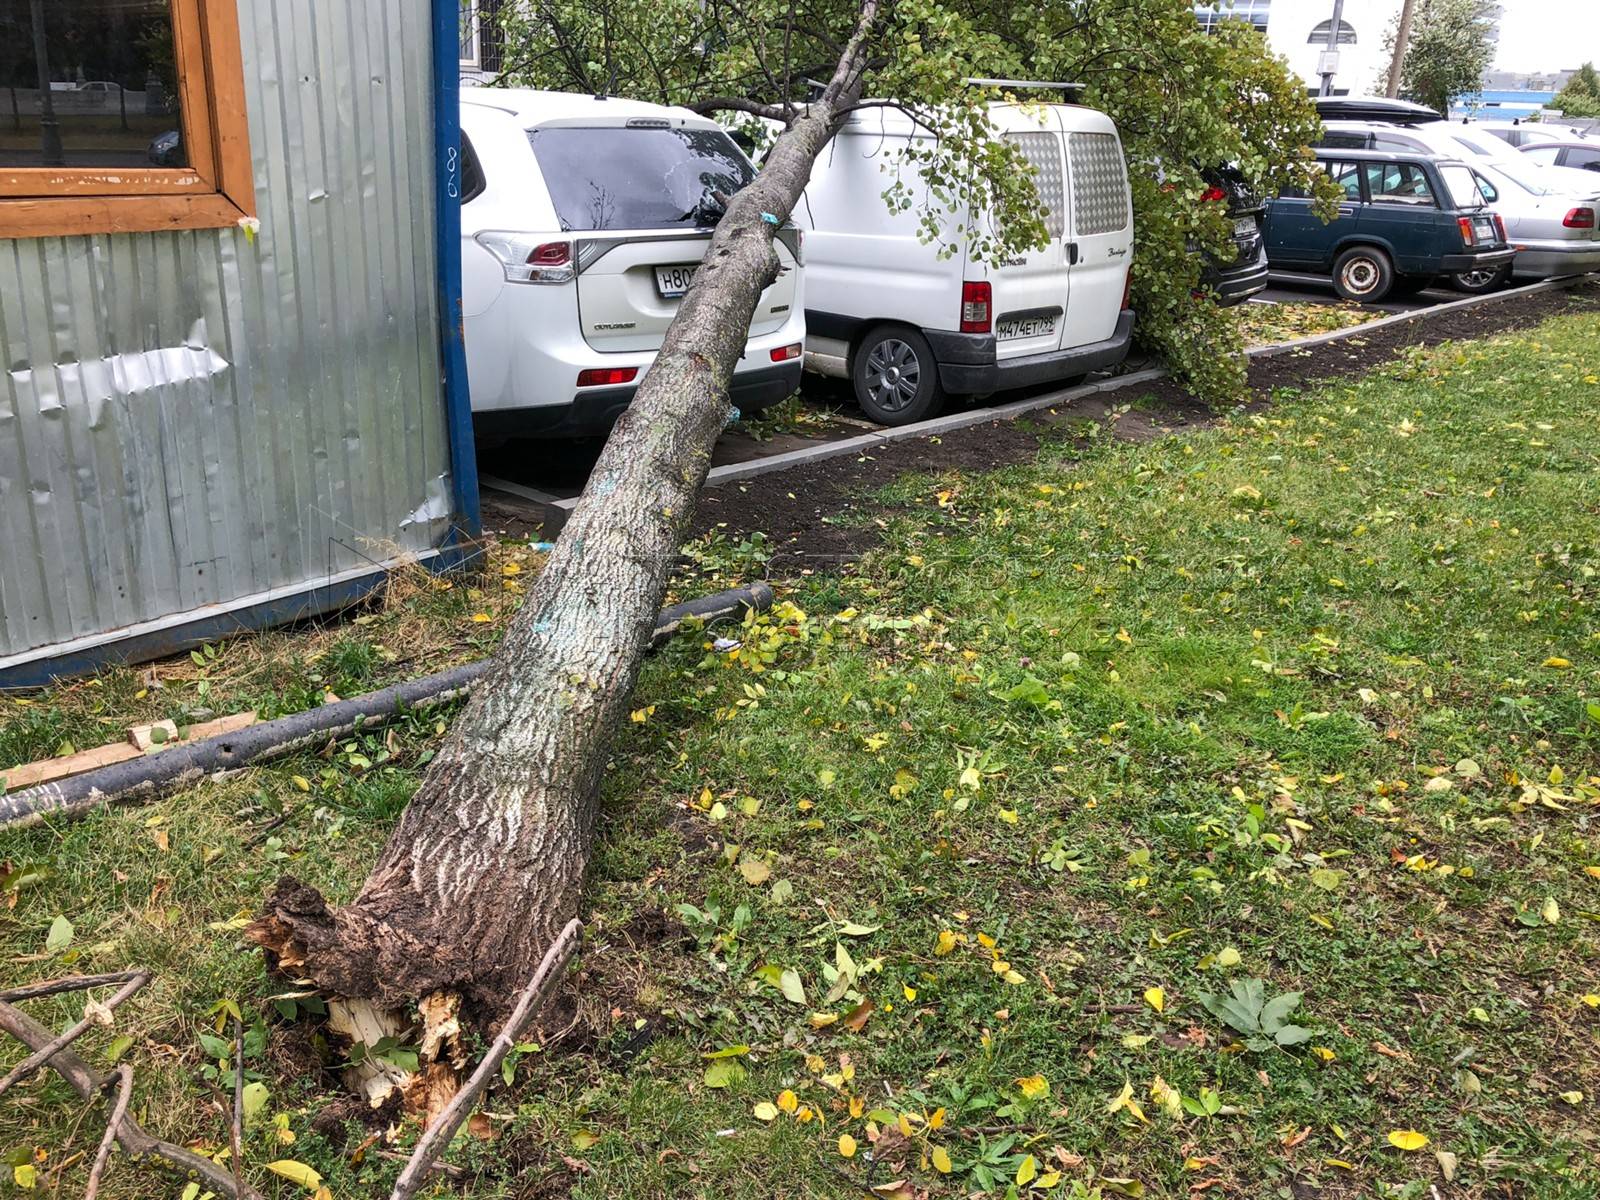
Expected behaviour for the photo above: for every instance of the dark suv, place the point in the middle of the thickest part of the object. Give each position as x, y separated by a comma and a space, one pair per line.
1406, 219
1246, 274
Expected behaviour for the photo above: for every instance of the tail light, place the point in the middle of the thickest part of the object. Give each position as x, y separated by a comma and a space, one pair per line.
1212, 193
1500, 227
525, 259
1579, 218
607, 376
1468, 237
785, 353
975, 298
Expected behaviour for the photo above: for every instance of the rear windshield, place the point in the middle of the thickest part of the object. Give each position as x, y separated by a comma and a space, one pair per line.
614, 177
1463, 187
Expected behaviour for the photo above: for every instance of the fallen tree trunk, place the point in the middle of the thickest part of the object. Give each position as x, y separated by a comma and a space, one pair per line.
486, 864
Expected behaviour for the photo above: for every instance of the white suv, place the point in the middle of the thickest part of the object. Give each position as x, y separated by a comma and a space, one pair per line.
582, 223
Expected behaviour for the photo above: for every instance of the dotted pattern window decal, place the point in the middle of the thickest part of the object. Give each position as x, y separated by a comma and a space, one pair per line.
1099, 187
1043, 152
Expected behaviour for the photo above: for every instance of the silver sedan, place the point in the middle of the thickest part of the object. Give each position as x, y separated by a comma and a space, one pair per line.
1552, 215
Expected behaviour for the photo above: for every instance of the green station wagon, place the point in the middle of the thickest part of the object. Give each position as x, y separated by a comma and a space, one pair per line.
1406, 219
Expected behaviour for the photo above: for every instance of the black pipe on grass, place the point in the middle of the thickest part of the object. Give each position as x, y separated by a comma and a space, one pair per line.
177, 766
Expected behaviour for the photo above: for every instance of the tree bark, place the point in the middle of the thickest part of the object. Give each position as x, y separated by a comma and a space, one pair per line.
1402, 38
486, 864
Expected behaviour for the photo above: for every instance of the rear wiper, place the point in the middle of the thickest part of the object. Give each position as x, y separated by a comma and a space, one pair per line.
709, 209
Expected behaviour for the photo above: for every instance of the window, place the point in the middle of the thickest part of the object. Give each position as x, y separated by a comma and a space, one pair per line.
125, 116
614, 177
480, 36
1348, 176
1319, 34
1400, 183
1462, 184
1211, 13
1544, 154
1581, 157
472, 181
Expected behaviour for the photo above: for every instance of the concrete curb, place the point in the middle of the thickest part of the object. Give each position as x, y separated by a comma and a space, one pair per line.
560, 509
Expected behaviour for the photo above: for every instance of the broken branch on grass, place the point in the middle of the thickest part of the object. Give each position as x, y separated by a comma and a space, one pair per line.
238, 1103
130, 1135
36, 1060
124, 1075
437, 1136
71, 983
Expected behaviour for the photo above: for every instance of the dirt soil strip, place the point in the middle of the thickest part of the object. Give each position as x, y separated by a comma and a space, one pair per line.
819, 514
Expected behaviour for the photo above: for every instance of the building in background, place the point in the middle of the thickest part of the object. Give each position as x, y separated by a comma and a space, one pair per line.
1298, 30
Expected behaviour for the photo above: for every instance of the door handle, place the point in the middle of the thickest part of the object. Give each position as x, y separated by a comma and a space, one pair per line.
1072, 254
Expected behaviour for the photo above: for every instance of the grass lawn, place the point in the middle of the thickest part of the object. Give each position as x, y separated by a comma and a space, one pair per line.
1215, 815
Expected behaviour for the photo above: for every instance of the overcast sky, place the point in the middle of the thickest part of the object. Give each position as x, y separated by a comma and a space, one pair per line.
1548, 35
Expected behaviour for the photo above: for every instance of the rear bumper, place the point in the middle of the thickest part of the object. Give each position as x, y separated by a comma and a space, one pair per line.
1546, 259
1476, 262
968, 366
1235, 284
594, 411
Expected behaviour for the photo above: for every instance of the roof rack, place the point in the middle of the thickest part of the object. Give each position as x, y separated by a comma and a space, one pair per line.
1054, 85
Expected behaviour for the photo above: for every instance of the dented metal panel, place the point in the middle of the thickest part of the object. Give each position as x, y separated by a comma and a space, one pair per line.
195, 419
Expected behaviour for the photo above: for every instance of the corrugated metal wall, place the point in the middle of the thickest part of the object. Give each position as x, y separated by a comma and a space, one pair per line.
190, 419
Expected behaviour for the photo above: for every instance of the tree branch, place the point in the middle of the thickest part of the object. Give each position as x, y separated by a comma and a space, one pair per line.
132, 1137
437, 1136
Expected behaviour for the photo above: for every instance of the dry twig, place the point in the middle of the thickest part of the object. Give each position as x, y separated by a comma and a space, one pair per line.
124, 1075
437, 1136
43, 1055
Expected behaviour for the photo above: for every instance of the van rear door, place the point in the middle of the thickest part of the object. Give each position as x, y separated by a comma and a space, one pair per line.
1100, 230
1029, 293
639, 197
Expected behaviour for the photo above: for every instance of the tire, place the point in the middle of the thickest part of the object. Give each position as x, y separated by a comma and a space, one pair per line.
895, 377
1363, 274
1476, 283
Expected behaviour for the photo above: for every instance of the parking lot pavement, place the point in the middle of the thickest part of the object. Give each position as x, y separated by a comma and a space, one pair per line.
1296, 289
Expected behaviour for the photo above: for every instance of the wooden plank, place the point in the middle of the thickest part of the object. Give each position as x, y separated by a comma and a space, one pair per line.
103, 181
229, 114
47, 769
115, 214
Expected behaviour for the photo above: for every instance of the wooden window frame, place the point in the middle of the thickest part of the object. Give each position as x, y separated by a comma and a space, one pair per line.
218, 188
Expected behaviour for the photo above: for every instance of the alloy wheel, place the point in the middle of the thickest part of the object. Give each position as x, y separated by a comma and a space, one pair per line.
893, 374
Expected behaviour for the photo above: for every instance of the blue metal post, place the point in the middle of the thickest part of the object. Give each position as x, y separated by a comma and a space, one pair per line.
468, 523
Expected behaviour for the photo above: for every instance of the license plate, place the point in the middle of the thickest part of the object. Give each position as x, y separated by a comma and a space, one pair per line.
1025, 327
1486, 231
1244, 227
675, 281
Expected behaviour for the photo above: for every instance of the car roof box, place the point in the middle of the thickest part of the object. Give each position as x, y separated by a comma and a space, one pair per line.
1374, 108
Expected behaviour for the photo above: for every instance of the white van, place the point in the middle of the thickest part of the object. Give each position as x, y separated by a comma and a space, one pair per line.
582, 223
908, 327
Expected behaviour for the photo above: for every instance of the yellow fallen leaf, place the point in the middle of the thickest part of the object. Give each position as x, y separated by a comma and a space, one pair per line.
946, 943
1550, 911
821, 1019
1325, 1054
941, 1160
296, 1172
1008, 815
847, 1146
1028, 1171
1572, 1097
1592, 999
1407, 1139
481, 618
1033, 1086
1156, 998
1556, 663
1340, 1163
766, 1111
909, 992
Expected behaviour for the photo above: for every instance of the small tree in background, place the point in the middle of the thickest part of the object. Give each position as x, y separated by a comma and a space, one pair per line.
1581, 96
1452, 45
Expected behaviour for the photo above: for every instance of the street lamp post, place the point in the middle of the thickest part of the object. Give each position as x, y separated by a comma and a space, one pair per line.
49, 127
1330, 56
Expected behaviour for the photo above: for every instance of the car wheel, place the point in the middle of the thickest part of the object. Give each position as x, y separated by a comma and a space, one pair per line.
1486, 279
896, 379
1363, 274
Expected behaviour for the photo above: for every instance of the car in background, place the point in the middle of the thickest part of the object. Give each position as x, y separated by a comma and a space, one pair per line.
1406, 219
583, 221
909, 321
1246, 274
1526, 133
1583, 156
1535, 201
1554, 232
